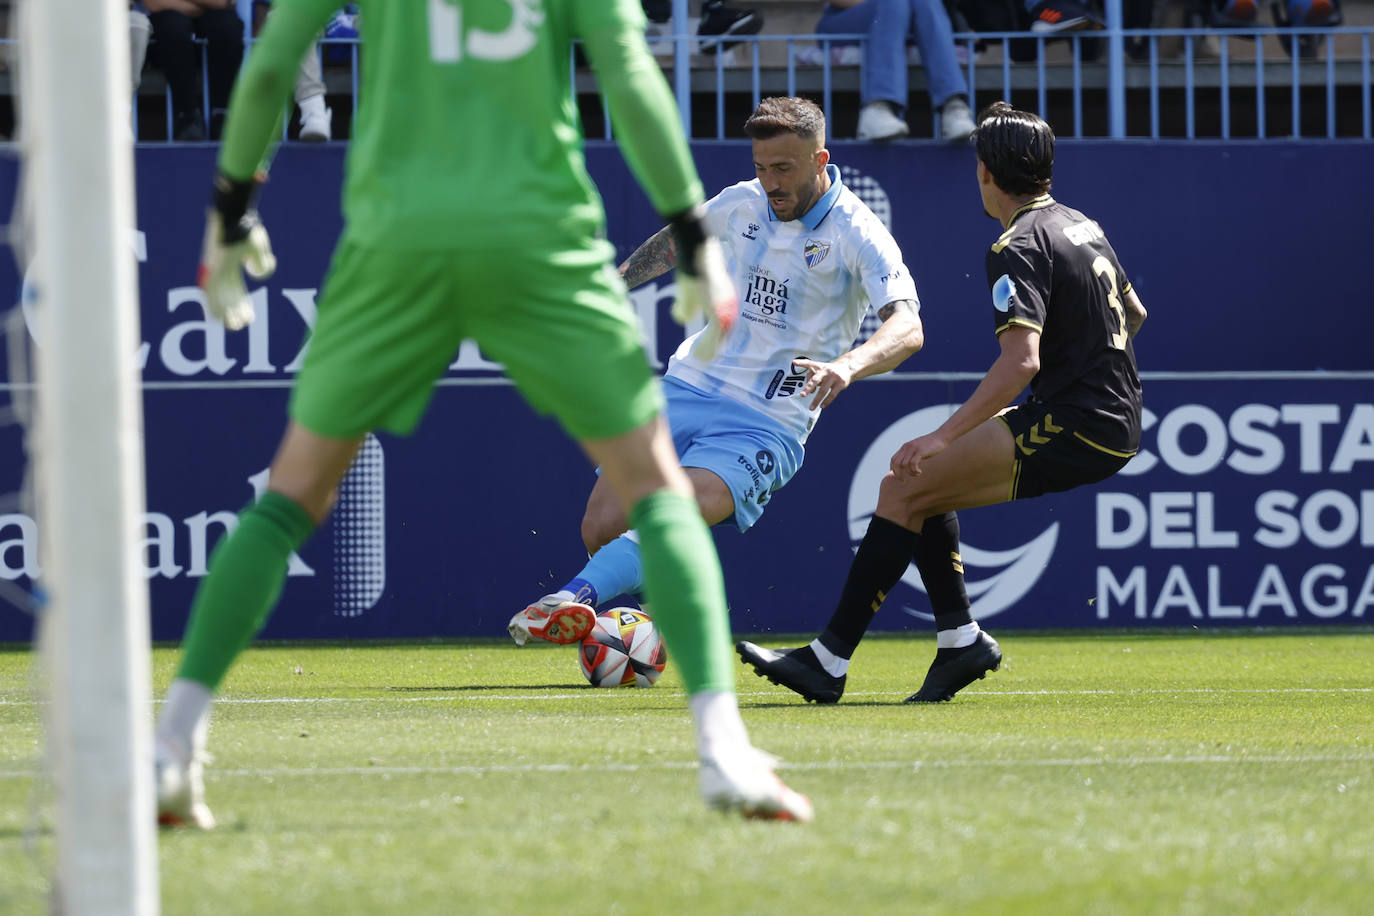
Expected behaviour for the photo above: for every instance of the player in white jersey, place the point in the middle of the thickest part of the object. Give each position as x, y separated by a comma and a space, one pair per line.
809, 259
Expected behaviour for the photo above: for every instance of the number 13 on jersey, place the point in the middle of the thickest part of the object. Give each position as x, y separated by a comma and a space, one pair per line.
449, 43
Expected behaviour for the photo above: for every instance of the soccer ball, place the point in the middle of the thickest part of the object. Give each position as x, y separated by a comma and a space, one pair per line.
623, 649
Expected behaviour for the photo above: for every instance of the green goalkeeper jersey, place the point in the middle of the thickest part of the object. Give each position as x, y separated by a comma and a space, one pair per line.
467, 133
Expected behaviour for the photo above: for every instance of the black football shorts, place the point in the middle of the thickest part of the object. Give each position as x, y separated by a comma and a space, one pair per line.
1052, 455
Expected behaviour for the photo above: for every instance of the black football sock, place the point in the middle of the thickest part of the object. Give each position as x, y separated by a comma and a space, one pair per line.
942, 570
883, 555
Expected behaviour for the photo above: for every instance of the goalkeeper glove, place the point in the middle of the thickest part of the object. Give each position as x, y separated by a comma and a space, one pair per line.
704, 288
235, 240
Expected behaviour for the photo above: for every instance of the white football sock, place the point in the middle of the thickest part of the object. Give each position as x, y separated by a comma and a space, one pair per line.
958, 637
832, 663
185, 717
718, 723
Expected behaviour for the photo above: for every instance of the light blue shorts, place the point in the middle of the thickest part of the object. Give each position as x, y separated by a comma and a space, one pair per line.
743, 447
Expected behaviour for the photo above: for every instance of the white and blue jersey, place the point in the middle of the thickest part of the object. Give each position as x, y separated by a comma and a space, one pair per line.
805, 285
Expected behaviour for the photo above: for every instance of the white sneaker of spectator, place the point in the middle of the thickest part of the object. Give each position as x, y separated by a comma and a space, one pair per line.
847, 55
877, 121
316, 123
956, 121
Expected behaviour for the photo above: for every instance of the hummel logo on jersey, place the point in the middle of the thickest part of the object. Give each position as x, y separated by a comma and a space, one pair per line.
814, 252
749, 233
1033, 438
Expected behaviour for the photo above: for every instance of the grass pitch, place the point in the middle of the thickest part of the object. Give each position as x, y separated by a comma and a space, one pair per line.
1185, 772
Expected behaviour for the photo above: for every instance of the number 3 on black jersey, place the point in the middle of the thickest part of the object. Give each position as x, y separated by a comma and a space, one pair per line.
1103, 268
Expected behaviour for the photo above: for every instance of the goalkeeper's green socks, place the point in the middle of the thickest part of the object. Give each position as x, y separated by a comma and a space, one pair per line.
685, 588
247, 573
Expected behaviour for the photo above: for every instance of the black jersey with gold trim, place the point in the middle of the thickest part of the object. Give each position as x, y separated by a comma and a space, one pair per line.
1053, 270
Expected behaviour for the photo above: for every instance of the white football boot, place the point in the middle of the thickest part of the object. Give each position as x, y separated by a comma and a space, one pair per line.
553, 619
180, 781
742, 779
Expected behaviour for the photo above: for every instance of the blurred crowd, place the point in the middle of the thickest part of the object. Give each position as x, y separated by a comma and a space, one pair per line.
198, 47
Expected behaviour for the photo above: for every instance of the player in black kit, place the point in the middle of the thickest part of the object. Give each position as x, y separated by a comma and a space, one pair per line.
1065, 316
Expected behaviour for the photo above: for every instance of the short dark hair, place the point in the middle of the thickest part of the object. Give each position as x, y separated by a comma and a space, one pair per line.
786, 115
1017, 147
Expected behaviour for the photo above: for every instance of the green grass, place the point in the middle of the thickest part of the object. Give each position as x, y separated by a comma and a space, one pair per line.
1185, 772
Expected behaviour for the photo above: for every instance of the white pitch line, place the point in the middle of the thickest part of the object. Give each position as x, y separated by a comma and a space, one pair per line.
608, 694
866, 765
776, 693
804, 765
1172, 690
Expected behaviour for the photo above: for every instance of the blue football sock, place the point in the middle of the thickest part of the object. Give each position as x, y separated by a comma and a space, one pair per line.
615, 569
582, 592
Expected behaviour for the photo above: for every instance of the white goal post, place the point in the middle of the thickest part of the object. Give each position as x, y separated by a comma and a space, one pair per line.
87, 451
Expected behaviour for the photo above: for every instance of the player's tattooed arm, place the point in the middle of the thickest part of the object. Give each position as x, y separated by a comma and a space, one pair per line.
1135, 313
653, 259
901, 305
899, 336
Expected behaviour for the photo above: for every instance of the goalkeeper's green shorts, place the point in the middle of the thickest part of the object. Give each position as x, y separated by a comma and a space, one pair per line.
390, 321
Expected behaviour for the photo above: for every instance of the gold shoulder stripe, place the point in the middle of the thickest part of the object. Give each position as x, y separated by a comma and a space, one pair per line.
1125, 287
1003, 240
1103, 448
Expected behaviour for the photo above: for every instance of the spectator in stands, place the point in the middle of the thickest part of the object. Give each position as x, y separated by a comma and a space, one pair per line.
1050, 17
888, 24
719, 21
1044, 17
1294, 13
1314, 12
1298, 12
316, 119
176, 24
140, 29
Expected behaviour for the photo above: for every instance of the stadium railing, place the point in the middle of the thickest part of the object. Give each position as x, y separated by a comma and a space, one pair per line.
1233, 83
1180, 82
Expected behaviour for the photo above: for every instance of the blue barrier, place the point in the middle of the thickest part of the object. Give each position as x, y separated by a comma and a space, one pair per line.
1251, 502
